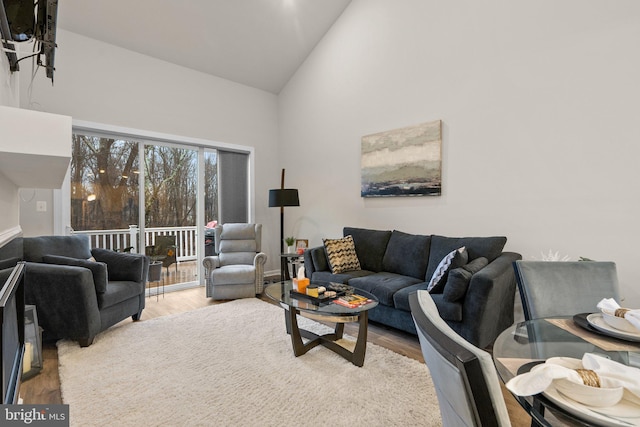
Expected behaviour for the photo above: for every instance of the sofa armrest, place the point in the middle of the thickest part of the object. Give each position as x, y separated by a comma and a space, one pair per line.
123, 266
488, 305
66, 299
315, 259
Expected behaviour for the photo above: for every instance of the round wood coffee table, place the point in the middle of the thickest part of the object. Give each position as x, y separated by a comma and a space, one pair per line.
325, 312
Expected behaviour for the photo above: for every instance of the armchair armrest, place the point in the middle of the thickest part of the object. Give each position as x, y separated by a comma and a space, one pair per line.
66, 299
123, 266
98, 269
210, 263
260, 259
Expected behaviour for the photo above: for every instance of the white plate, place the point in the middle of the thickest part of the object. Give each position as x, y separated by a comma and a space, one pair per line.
596, 320
624, 413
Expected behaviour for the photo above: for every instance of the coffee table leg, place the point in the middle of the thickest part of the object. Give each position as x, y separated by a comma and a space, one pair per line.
339, 330
299, 347
361, 342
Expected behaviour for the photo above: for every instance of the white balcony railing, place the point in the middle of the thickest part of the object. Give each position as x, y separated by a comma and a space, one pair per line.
186, 239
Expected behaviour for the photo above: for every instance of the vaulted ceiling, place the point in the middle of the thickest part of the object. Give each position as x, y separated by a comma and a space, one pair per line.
259, 43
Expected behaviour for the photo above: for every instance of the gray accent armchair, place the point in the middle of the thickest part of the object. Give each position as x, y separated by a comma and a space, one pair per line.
77, 297
550, 288
238, 269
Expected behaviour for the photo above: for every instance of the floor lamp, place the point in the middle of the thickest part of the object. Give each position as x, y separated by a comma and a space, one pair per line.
282, 197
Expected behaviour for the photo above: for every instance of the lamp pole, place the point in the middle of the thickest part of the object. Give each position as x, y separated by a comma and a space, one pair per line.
282, 197
282, 216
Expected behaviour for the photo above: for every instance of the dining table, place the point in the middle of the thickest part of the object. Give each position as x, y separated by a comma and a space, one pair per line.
526, 344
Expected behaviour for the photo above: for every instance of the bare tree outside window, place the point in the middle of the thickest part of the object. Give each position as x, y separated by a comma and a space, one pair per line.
104, 183
170, 186
211, 186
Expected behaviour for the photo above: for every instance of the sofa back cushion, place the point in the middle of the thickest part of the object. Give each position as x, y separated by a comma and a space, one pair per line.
407, 254
488, 247
76, 246
370, 246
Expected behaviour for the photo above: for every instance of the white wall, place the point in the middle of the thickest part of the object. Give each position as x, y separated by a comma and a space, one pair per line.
8, 190
101, 83
35, 222
8, 204
9, 83
539, 103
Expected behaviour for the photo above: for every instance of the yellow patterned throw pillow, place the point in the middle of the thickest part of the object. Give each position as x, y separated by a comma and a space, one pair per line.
341, 254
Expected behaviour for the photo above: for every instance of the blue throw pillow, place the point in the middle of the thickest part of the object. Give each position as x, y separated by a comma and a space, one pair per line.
459, 278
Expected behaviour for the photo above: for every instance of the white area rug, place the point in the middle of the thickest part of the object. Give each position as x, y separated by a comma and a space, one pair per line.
232, 365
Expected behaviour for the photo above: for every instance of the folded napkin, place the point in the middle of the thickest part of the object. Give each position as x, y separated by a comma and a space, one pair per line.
609, 306
612, 374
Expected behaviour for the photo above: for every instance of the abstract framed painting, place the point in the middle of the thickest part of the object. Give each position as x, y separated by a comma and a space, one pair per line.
403, 162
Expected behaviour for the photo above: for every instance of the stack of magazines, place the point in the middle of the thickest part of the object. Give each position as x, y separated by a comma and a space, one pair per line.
352, 301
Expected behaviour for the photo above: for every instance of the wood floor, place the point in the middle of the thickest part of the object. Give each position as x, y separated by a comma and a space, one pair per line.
44, 388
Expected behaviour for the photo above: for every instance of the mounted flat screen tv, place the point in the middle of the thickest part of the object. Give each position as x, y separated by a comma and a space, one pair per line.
26, 20
11, 331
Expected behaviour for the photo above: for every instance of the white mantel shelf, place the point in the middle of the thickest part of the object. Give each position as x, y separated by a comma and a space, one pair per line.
35, 147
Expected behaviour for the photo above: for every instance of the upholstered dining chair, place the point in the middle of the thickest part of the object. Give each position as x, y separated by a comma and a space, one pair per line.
238, 269
464, 376
550, 288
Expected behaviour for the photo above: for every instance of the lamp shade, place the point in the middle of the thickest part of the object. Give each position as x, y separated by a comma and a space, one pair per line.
283, 197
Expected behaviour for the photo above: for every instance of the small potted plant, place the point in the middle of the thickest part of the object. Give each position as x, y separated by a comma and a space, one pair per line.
289, 242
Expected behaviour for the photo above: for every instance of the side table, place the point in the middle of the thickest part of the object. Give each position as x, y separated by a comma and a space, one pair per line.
289, 263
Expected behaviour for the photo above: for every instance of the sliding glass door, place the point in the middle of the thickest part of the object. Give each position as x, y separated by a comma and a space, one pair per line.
170, 209
187, 189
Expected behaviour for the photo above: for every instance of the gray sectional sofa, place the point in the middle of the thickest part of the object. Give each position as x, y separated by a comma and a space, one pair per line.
477, 298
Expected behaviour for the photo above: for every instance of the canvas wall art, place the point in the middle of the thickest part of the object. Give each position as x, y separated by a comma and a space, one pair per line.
403, 162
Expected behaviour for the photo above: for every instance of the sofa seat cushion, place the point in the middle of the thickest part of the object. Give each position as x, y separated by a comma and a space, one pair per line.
370, 246
383, 285
236, 274
448, 310
401, 298
327, 276
118, 291
407, 254
98, 269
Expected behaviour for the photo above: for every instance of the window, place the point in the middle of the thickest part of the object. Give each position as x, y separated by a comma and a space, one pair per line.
186, 186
